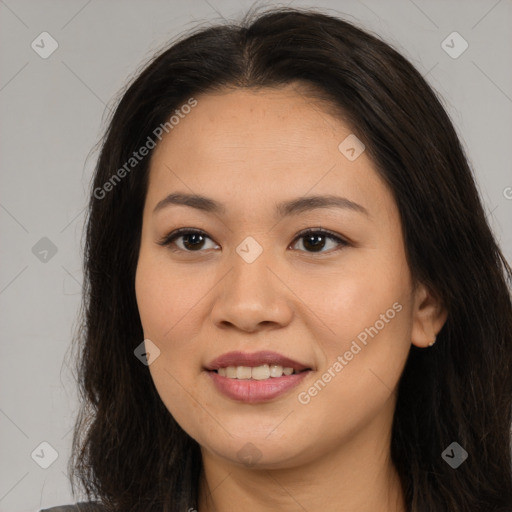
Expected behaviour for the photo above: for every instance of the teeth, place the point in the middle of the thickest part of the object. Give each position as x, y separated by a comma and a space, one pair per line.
243, 372
276, 370
262, 372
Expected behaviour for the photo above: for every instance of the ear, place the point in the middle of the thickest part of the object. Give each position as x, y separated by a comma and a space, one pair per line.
429, 316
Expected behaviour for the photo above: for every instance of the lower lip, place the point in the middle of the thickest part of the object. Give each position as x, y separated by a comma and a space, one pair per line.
255, 391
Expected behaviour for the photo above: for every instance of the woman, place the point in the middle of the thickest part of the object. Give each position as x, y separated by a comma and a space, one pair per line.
293, 299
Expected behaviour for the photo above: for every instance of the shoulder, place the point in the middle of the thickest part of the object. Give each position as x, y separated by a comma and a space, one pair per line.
89, 506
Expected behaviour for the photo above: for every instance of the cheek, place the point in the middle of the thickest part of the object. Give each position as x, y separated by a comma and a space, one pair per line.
361, 370
365, 335
168, 301
152, 301
165, 304
166, 296
342, 303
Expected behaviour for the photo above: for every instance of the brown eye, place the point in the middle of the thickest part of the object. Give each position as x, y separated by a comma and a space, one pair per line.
193, 240
316, 240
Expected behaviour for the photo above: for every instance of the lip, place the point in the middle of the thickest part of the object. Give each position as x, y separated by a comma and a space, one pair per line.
255, 359
255, 391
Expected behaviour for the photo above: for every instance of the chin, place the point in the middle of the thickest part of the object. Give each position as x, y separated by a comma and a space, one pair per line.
257, 452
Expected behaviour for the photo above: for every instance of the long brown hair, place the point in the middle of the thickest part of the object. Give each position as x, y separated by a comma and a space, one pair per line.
128, 451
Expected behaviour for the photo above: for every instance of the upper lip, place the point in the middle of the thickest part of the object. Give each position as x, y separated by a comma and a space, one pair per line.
255, 359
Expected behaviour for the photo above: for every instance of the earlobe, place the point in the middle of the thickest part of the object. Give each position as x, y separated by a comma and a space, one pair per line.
429, 316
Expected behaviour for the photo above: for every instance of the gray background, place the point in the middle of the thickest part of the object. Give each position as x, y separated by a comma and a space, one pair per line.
52, 114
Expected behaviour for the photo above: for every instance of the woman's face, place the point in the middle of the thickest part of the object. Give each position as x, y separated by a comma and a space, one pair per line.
344, 310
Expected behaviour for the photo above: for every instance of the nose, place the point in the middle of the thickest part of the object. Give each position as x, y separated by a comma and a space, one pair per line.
252, 296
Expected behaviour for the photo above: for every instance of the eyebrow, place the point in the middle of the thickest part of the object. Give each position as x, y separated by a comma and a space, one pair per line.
284, 209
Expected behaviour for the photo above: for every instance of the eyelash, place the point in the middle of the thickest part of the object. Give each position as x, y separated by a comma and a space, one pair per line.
169, 239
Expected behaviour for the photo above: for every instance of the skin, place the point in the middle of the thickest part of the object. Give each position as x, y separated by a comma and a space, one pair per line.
249, 150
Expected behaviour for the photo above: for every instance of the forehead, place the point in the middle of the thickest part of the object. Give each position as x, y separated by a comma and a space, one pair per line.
257, 144
262, 120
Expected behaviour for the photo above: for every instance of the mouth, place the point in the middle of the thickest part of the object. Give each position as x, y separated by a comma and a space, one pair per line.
255, 378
